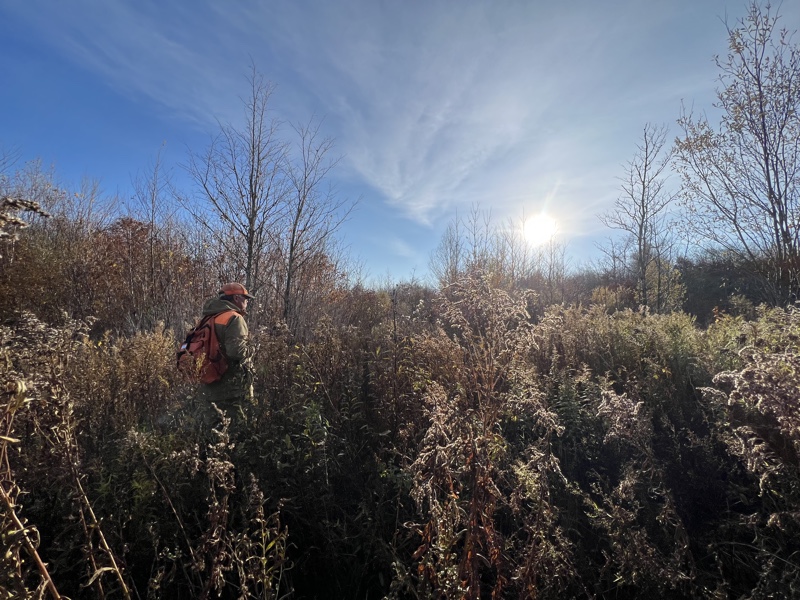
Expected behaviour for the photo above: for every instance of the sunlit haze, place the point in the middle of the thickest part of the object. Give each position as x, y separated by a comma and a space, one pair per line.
436, 107
540, 229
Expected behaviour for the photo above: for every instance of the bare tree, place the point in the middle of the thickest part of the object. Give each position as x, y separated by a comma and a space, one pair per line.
500, 253
448, 258
515, 255
480, 238
614, 262
741, 179
8, 158
313, 213
468, 244
164, 277
641, 213
240, 179
149, 195
551, 271
13, 199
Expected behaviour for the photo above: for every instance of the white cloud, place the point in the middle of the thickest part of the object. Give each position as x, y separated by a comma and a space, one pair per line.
436, 110
435, 105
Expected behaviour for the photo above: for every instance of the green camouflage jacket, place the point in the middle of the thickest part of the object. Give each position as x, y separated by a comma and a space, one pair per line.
236, 382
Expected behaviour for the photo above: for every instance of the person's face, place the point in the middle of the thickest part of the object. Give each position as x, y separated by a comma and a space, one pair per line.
240, 301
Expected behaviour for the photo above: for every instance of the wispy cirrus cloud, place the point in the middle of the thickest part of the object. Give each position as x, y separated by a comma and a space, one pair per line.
164, 56
515, 105
436, 108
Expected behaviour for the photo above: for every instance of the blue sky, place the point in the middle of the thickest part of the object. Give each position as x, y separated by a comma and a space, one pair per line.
435, 106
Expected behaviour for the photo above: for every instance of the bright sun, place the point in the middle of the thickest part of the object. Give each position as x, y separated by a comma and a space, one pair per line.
540, 229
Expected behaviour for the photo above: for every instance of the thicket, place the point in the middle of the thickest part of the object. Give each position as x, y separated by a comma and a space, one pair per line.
417, 445
522, 432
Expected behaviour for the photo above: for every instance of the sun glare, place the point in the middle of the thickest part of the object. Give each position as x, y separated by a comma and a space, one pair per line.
540, 229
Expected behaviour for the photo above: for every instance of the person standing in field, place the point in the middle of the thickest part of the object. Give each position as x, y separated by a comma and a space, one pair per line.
235, 387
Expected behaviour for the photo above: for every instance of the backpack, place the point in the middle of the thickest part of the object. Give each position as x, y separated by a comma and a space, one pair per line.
200, 357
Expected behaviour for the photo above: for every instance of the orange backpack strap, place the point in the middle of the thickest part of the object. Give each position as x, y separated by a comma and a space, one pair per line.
223, 318
219, 318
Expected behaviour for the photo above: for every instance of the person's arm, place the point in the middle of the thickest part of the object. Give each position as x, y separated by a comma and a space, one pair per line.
234, 341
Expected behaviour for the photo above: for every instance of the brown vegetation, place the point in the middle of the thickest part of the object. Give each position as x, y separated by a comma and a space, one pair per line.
521, 432
456, 448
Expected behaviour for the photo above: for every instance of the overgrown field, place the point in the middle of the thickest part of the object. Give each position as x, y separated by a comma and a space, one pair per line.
456, 448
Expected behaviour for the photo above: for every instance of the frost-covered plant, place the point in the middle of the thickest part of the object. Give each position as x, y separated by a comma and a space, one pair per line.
475, 380
758, 404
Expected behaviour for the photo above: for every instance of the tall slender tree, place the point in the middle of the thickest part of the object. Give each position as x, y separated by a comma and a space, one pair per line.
313, 213
641, 212
741, 179
240, 178
447, 260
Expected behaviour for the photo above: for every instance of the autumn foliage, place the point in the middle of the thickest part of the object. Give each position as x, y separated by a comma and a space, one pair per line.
519, 432
417, 445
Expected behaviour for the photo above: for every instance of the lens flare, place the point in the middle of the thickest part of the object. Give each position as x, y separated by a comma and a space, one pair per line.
540, 229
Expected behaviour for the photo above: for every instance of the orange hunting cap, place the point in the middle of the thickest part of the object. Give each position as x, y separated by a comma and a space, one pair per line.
234, 289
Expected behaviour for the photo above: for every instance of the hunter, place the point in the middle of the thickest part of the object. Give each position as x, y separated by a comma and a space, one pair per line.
235, 387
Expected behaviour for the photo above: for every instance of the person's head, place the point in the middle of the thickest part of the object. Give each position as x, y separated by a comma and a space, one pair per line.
235, 293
